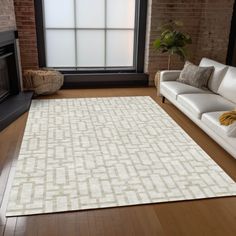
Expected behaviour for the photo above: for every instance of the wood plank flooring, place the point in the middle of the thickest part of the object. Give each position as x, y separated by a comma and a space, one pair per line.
208, 217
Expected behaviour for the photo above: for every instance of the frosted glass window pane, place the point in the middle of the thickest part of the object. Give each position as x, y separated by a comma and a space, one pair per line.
91, 48
90, 13
120, 13
120, 44
59, 13
60, 48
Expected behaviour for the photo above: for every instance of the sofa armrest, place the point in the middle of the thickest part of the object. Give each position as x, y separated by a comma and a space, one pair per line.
169, 75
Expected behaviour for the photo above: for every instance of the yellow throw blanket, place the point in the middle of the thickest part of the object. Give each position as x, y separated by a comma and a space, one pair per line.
228, 118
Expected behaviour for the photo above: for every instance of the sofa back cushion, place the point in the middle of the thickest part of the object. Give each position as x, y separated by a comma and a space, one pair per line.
227, 87
218, 74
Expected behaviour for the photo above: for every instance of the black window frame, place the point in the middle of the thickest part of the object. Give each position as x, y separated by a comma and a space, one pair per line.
140, 34
231, 54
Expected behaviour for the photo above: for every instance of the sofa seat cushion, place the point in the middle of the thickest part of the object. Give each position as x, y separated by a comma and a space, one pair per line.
174, 88
197, 104
211, 119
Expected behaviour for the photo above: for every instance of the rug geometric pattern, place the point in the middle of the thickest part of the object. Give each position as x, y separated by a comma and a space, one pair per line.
107, 152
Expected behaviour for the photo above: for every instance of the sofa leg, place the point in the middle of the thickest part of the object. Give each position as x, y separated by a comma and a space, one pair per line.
163, 99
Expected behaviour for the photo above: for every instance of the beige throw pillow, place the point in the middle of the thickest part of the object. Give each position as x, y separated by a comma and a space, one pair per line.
195, 76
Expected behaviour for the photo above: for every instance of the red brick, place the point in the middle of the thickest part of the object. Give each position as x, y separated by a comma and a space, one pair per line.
25, 20
208, 22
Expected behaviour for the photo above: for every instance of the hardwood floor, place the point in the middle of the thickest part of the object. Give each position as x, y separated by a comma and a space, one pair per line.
198, 217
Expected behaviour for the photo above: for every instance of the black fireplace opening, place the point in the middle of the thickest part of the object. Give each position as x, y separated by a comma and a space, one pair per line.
9, 81
13, 102
4, 79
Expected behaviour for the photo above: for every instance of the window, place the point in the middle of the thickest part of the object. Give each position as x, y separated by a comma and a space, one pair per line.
90, 33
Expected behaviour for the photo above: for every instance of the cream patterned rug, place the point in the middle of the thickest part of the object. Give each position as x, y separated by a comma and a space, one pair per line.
107, 152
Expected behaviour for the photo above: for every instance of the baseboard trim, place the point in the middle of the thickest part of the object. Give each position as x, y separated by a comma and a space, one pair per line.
105, 80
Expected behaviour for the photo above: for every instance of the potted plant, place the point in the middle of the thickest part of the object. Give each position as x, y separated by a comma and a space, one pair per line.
173, 41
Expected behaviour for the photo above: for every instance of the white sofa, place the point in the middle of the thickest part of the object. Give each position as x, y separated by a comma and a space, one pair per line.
204, 107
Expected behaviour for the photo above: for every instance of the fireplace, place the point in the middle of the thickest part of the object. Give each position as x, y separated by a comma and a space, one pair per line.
4, 79
13, 102
9, 76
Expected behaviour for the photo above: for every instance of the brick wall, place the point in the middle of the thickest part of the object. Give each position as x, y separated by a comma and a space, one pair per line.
7, 15
207, 21
25, 21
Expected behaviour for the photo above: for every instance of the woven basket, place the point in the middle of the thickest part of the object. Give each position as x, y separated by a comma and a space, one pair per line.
43, 82
157, 82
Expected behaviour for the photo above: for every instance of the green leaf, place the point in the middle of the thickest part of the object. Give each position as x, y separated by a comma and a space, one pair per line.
178, 23
173, 40
157, 43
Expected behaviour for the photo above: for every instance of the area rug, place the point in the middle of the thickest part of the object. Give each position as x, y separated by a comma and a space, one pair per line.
91, 153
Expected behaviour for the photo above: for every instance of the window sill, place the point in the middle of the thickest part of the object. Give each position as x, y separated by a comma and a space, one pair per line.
100, 80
